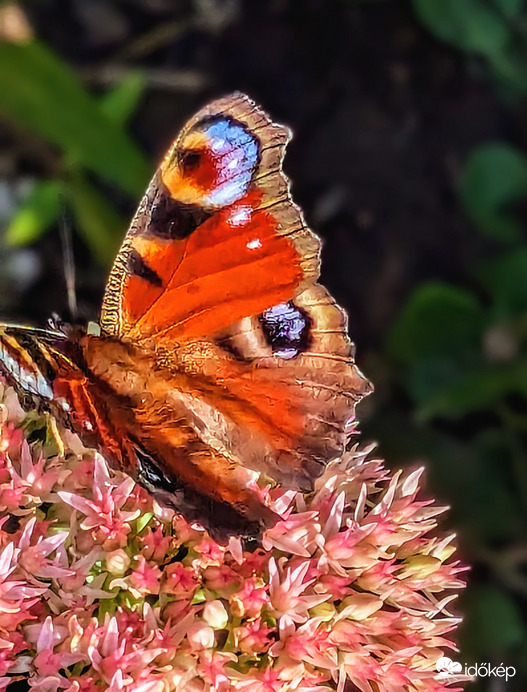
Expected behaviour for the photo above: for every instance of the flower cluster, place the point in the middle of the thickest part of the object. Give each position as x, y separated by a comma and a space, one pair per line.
103, 589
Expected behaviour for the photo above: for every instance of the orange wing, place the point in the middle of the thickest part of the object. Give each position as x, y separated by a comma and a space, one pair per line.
216, 237
217, 277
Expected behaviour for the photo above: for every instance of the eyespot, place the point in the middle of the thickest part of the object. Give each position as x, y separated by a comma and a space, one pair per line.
213, 163
286, 329
189, 160
234, 152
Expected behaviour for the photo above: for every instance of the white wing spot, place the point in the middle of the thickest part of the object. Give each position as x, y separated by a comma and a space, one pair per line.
240, 216
255, 244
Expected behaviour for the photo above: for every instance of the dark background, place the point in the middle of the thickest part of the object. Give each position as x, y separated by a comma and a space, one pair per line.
410, 128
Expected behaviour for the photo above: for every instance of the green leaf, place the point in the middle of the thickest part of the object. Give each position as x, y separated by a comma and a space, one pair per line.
199, 597
435, 339
504, 280
509, 8
439, 320
472, 25
36, 214
482, 27
143, 521
495, 175
119, 103
41, 94
101, 227
475, 390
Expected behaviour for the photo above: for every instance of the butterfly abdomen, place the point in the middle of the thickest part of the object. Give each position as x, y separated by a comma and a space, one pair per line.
30, 360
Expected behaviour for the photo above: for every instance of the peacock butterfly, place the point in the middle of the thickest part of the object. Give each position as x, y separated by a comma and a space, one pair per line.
218, 349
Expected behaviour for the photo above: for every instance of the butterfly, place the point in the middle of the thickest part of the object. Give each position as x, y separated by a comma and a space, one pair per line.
217, 349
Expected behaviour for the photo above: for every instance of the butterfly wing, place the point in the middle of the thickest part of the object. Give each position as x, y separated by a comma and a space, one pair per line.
48, 369
216, 237
217, 277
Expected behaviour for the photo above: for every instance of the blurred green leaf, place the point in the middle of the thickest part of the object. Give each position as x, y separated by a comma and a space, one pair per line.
493, 623
482, 27
36, 214
509, 8
510, 72
438, 320
40, 93
474, 390
435, 339
472, 25
40, 210
495, 176
427, 377
119, 103
101, 227
505, 280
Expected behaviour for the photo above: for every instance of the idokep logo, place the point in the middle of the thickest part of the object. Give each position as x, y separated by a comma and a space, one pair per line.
447, 668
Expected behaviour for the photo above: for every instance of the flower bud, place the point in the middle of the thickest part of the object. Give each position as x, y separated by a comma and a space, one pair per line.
117, 561
200, 636
324, 611
215, 615
360, 606
420, 567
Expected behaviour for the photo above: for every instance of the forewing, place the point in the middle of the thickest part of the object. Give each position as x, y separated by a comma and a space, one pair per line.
216, 237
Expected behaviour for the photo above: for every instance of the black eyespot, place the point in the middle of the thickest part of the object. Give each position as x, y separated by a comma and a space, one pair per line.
189, 159
286, 329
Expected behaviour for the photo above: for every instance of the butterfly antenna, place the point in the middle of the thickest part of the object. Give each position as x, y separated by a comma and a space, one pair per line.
69, 261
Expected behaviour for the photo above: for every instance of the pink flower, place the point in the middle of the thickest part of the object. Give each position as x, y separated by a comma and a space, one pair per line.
104, 517
156, 545
211, 668
181, 581
145, 578
200, 636
35, 558
113, 652
250, 599
289, 601
222, 579
253, 638
210, 552
103, 589
47, 662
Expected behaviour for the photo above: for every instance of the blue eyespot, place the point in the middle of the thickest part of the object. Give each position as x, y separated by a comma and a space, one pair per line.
236, 153
286, 328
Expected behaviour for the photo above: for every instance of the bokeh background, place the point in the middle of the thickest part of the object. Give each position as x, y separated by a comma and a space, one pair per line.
409, 159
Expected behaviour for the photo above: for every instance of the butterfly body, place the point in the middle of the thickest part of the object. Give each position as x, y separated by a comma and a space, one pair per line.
219, 352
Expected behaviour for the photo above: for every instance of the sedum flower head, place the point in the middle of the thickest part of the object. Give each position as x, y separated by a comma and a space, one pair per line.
102, 589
